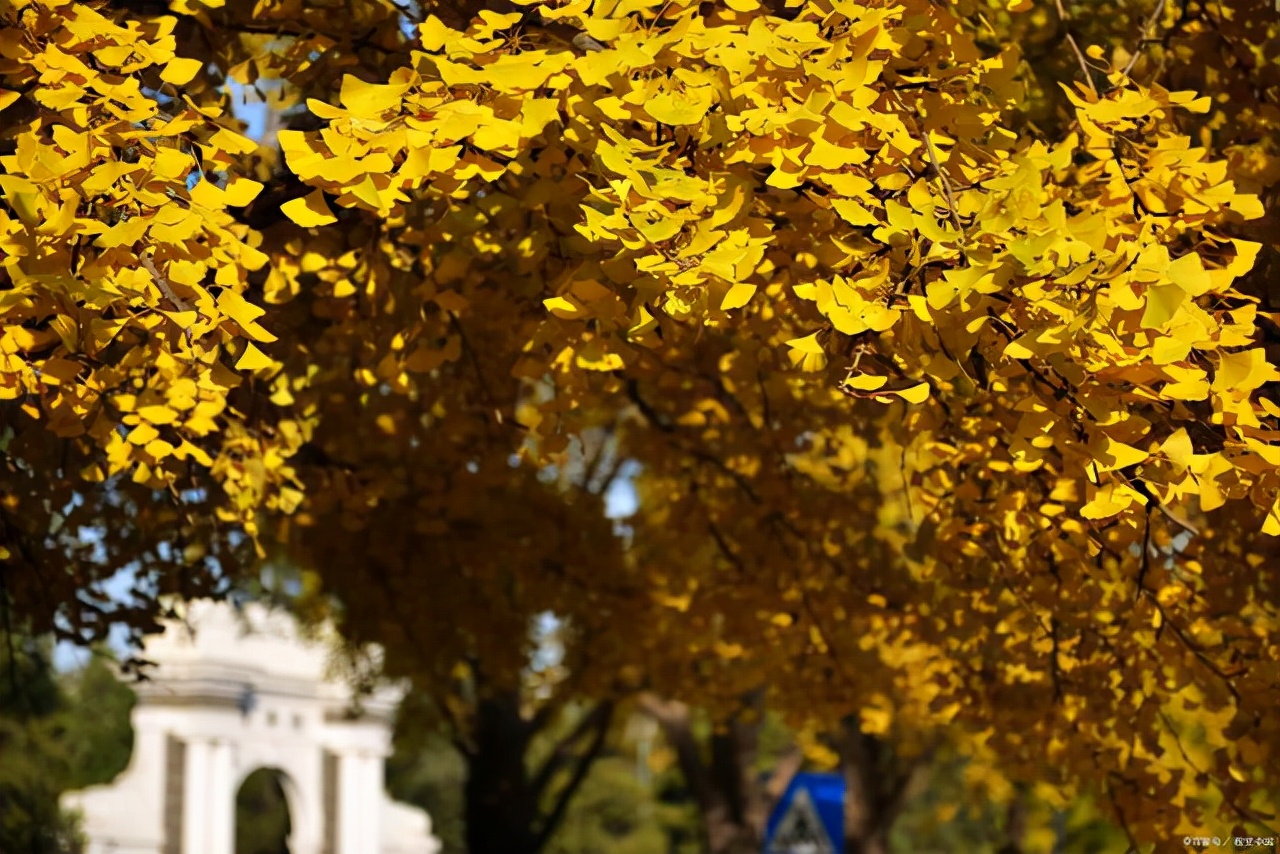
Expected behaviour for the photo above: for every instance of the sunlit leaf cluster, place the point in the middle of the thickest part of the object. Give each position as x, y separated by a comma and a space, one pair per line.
941, 337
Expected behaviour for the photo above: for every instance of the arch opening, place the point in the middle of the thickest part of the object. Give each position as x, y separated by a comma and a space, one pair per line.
264, 822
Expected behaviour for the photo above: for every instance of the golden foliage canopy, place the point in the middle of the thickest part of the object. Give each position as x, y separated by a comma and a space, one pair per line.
941, 335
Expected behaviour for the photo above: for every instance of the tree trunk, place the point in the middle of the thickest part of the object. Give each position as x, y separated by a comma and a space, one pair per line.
734, 803
509, 808
877, 784
501, 807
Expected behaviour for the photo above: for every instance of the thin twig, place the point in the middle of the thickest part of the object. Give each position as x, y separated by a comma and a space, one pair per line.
946, 182
165, 288
1065, 17
163, 284
937, 168
1142, 36
475, 365
1140, 487
1181, 523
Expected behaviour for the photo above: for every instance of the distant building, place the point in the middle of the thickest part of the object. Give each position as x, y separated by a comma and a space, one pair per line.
237, 691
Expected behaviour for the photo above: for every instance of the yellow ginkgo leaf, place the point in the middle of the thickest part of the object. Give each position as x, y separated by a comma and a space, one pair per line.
1112, 455
1016, 349
142, 434
180, 70
253, 359
865, 382
433, 33
240, 191
680, 108
157, 414
563, 307
917, 393
1107, 503
738, 296
853, 212
1178, 448
233, 143
601, 362
808, 344
245, 314
370, 100
309, 211
1271, 526
1163, 302
158, 449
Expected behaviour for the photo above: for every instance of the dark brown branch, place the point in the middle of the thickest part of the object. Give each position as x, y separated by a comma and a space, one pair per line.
475, 363
1142, 36
723, 545
598, 460
650, 414
1065, 18
673, 717
556, 816
458, 733
564, 749
789, 764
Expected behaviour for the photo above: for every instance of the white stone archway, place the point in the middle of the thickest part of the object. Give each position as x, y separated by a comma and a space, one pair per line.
232, 691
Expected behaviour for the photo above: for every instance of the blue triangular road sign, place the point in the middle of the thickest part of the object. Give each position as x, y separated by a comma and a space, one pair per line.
810, 817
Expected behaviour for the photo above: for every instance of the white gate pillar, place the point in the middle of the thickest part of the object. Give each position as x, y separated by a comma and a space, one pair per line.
304, 788
196, 795
209, 798
222, 805
359, 803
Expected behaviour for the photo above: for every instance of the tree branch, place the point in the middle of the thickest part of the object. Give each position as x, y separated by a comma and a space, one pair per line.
946, 182
165, 288
1065, 18
673, 717
557, 813
766, 797
475, 364
458, 736
1142, 36
650, 414
896, 797
563, 751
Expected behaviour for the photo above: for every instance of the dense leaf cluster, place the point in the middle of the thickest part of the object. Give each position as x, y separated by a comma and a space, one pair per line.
940, 335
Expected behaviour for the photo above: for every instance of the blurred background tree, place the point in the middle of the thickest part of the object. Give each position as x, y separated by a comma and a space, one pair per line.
68, 730
57, 732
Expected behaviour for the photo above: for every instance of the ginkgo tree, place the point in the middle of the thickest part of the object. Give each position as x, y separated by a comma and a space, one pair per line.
941, 335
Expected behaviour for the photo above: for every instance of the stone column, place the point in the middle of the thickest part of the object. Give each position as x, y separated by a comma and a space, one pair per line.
371, 765
222, 803
196, 798
359, 803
